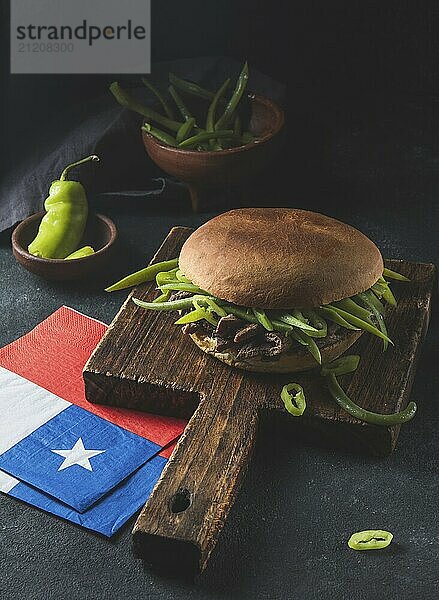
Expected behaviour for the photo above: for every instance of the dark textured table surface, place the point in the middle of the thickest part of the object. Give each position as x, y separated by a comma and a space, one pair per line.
286, 534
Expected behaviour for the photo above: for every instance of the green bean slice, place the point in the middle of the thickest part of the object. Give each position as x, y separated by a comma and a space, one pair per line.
367, 416
243, 314
213, 306
341, 366
294, 403
263, 319
372, 539
166, 277
394, 275
168, 110
307, 341
126, 100
142, 276
368, 298
181, 304
365, 325
370, 301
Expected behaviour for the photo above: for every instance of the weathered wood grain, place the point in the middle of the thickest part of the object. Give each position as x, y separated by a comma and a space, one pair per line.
145, 362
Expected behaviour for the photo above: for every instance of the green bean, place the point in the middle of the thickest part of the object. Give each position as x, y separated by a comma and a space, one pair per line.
263, 319
330, 314
168, 110
192, 316
387, 294
160, 135
205, 136
184, 111
183, 287
231, 106
163, 297
190, 87
341, 366
210, 120
365, 325
372, 539
185, 130
394, 275
142, 276
128, 101
286, 317
351, 307
295, 403
237, 126
367, 416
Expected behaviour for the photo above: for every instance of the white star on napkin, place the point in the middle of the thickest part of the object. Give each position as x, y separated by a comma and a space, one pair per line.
78, 455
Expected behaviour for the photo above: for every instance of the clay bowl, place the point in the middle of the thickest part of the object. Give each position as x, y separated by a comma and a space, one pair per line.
205, 172
100, 233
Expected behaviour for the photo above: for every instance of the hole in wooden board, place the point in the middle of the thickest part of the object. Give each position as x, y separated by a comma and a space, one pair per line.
181, 501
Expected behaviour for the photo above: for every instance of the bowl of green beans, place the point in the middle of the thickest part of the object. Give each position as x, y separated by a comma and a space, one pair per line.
211, 140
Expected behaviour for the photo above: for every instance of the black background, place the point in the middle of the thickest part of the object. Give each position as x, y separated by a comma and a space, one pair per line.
363, 91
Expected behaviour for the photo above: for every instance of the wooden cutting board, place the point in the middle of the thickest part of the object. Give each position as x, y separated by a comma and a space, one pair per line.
147, 363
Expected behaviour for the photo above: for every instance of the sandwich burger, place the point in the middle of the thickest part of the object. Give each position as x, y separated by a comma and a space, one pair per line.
274, 289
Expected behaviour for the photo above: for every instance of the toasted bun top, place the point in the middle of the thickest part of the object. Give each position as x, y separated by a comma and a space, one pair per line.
280, 258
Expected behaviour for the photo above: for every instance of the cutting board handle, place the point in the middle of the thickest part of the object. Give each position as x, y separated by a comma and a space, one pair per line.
179, 525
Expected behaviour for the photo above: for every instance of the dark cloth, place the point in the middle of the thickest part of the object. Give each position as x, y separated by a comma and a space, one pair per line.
125, 172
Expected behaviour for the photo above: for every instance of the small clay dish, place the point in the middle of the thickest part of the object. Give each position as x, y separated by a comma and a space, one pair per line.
210, 172
100, 233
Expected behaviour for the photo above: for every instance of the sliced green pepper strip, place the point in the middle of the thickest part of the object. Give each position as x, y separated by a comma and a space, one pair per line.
286, 317
317, 322
181, 304
394, 275
365, 325
213, 306
196, 315
330, 314
185, 130
208, 316
167, 277
351, 307
179, 275
142, 276
128, 101
160, 135
263, 319
205, 136
190, 87
388, 294
372, 539
182, 287
168, 110
80, 253
295, 403
310, 344
232, 104
371, 301
367, 416
243, 314
341, 366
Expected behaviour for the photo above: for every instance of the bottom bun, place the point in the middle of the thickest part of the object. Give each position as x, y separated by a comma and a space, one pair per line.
294, 360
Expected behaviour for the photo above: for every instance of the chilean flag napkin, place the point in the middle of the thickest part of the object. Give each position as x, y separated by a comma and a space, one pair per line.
95, 467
